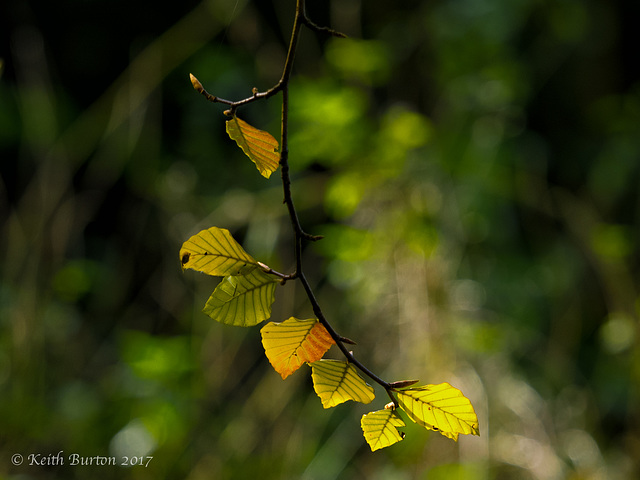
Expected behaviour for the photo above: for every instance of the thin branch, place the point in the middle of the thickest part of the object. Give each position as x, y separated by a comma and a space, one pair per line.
284, 277
299, 234
319, 29
234, 105
300, 19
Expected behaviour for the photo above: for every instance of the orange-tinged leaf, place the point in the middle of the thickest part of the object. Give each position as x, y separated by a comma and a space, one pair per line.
242, 300
293, 342
336, 381
380, 428
441, 408
215, 252
258, 145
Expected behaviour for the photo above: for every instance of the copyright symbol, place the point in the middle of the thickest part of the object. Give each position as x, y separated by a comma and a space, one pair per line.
16, 459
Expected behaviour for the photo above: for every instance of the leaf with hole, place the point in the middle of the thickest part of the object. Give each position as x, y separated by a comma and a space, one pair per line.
380, 428
442, 408
242, 300
336, 382
291, 343
258, 145
215, 252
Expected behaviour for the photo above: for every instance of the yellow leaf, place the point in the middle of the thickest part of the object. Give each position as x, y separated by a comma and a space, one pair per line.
441, 408
258, 145
336, 381
293, 342
215, 252
379, 428
242, 300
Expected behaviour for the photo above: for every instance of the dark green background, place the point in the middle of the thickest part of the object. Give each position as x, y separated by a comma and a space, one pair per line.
473, 165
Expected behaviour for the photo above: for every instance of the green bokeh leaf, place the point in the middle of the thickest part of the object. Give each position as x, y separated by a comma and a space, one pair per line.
156, 358
365, 60
242, 300
441, 408
336, 382
215, 252
380, 428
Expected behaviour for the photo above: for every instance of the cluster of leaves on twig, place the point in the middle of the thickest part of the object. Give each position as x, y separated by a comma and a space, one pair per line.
248, 287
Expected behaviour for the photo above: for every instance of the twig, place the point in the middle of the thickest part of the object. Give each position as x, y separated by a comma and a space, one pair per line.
282, 276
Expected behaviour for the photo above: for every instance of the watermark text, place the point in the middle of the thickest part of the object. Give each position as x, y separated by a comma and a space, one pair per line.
75, 459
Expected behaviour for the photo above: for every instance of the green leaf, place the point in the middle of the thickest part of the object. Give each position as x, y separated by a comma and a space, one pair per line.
215, 252
441, 408
258, 145
379, 428
242, 300
336, 381
293, 342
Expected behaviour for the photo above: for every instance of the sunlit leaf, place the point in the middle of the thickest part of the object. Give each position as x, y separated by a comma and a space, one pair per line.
336, 381
380, 428
441, 408
294, 342
258, 145
215, 252
242, 300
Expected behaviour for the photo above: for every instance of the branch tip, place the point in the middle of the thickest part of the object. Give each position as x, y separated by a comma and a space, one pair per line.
312, 238
196, 83
403, 383
318, 29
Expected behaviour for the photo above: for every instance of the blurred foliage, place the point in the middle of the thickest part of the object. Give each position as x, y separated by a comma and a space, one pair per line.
474, 165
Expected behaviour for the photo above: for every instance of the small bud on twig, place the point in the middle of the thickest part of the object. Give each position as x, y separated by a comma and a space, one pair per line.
196, 83
403, 383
